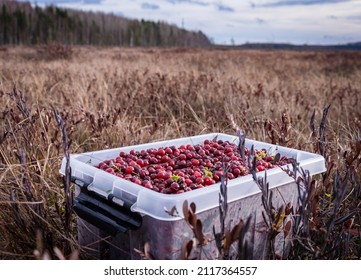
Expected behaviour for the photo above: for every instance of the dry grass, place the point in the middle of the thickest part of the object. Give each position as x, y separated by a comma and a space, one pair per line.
114, 97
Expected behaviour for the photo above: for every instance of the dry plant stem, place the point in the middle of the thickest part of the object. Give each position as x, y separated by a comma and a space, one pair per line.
312, 124
319, 235
241, 145
20, 102
266, 198
223, 200
245, 247
266, 201
67, 176
322, 131
223, 207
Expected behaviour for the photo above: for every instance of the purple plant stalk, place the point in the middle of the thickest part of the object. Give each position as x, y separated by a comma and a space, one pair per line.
223, 208
245, 251
266, 194
15, 209
312, 124
242, 142
20, 102
322, 131
67, 176
223, 199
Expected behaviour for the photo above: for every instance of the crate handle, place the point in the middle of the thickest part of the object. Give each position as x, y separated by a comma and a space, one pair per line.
104, 214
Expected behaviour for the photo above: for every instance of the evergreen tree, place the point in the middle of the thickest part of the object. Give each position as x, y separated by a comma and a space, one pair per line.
20, 23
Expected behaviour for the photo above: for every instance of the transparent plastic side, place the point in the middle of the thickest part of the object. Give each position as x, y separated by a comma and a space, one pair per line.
79, 170
155, 204
127, 190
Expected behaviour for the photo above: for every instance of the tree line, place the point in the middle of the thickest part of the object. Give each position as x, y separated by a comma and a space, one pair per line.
21, 23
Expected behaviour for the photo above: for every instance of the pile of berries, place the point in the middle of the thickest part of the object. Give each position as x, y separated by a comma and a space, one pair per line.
174, 170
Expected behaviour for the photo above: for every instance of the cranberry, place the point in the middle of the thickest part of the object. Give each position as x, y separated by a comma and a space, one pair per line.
161, 152
175, 186
236, 172
174, 170
129, 170
188, 182
208, 181
260, 168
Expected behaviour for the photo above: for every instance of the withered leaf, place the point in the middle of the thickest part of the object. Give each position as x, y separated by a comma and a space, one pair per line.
236, 230
193, 207
288, 209
189, 214
185, 210
186, 249
172, 212
192, 219
227, 240
287, 228
146, 254
199, 233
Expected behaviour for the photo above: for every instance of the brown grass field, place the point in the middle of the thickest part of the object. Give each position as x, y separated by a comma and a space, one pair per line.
112, 97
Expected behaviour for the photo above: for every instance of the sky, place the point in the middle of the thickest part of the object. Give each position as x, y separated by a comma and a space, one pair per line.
242, 21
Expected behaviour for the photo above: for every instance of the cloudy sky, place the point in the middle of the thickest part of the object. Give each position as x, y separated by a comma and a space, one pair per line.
240, 21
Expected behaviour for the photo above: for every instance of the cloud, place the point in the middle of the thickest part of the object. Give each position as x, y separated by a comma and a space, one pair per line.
149, 6
301, 2
252, 4
354, 17
260, 21
224, 8
195, 2
92, 1
347, 18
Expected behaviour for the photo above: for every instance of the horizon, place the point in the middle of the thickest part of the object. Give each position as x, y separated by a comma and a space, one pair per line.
303, 22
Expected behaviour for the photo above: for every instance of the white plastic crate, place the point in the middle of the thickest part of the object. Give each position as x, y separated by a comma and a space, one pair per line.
149, 206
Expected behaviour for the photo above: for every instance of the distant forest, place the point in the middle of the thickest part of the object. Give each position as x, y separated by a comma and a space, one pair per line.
21, 23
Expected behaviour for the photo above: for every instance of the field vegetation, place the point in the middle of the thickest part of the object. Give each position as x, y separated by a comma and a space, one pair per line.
112, 97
